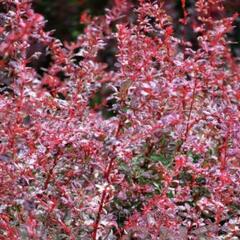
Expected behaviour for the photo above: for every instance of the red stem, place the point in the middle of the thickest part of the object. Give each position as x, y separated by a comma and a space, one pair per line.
104, 193
191, 108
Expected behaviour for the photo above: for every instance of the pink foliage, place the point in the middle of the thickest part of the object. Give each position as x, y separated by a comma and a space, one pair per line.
165, 166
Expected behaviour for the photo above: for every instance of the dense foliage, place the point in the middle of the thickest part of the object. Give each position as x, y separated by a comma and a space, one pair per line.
143, 147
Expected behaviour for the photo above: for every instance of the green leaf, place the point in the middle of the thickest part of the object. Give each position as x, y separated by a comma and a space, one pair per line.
166, 161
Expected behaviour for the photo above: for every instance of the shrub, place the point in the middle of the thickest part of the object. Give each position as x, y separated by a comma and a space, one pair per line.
164, 164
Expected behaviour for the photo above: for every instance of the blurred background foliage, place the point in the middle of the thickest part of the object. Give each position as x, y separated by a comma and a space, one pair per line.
64, 15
